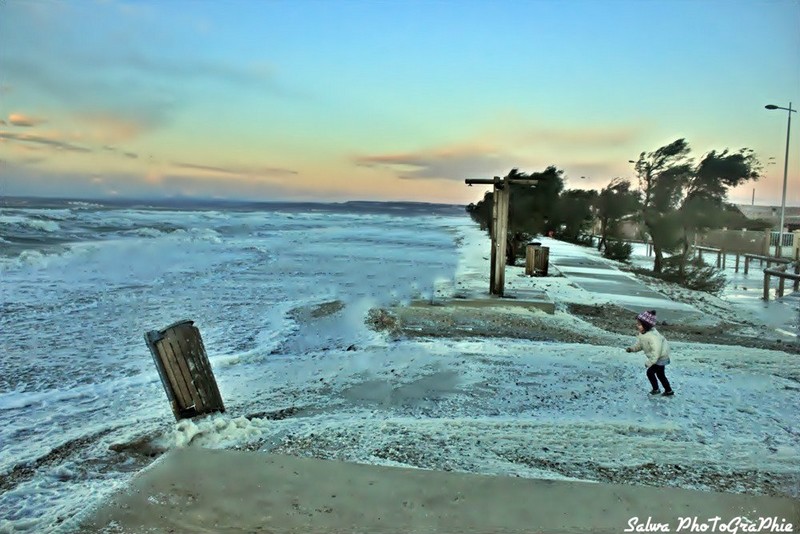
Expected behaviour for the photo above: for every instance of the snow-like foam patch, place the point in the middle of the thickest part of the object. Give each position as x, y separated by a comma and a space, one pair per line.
214, 432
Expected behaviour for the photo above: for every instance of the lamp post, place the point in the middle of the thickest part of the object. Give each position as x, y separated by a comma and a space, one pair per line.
785, 173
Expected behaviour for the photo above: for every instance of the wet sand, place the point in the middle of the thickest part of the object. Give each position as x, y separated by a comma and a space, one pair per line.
203, 490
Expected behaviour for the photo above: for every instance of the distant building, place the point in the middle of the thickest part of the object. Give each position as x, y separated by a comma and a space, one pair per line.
791, 215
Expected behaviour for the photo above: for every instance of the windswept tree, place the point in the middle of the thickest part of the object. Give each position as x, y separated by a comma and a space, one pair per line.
575, 214
680, 198
662, 176
615, 202
531, 208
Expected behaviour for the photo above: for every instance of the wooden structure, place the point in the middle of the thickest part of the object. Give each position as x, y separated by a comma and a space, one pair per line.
499, 230
782, 275
185, 371
537, 260
768, 259
719, 252
722, 258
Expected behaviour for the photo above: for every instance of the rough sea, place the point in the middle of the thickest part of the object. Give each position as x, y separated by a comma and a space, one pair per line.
81, 282
281, 294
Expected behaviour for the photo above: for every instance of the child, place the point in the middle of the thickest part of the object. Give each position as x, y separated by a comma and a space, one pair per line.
656, 349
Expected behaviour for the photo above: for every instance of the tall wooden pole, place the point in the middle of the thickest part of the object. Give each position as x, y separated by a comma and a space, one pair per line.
502, 192
501, 197
494, 231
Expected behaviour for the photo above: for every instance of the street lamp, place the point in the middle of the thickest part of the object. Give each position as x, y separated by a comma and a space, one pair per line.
785, 172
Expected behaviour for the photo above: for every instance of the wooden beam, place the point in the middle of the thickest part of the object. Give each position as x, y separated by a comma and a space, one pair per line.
494, 230
500, 245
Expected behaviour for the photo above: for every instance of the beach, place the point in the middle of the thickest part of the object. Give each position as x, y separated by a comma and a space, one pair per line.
343, 372
200, 490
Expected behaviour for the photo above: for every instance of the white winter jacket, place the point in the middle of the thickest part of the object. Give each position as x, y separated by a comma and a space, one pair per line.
655, 347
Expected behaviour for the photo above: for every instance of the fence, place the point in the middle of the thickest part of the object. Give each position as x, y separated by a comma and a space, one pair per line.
788, 239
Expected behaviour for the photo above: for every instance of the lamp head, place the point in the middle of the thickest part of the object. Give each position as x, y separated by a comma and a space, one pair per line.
770, 106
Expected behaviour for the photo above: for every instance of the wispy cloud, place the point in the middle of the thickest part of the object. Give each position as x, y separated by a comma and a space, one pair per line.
443, 164
236, 170
20, 119
43, 141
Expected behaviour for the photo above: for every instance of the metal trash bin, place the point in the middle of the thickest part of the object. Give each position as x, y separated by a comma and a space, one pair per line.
185, 371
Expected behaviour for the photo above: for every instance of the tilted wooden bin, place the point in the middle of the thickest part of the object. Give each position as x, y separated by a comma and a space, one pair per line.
185, 371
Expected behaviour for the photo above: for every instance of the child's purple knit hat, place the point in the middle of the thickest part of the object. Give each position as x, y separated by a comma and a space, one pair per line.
647, 317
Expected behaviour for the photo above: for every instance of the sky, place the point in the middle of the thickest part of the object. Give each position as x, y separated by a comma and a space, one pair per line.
384, 100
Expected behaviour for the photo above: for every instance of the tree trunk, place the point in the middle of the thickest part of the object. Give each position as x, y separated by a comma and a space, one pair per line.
603, 232
512, 245
657, 263
684, 255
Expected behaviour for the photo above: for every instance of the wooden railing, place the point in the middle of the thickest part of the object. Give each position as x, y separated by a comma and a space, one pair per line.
782, 274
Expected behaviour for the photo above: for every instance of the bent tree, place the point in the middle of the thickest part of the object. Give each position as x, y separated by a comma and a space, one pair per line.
681, 198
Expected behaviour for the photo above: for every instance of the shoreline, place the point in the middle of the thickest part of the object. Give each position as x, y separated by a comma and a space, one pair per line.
289, 487
203, 490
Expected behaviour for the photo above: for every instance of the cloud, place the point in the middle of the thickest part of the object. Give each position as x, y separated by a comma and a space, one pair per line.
20, 119
236, 171
443, 164
43, 141
110, 128
133, 92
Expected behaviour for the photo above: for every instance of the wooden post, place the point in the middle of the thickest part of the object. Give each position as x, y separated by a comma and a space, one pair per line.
493, 258
796, 285
724, 259
737, 263
499, 230
746, 263
185, 371
502, 235
781, 286
719, 259
766, 285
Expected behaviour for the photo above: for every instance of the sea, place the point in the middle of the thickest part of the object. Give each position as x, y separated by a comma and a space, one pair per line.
286, 297
82, 281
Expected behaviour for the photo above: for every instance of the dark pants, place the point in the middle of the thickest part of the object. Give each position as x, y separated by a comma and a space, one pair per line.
654, 371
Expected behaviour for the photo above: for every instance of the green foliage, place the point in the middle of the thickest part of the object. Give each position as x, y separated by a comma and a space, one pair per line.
574, 215
693, 274
681, 198
618, 250
531, 209
614, 203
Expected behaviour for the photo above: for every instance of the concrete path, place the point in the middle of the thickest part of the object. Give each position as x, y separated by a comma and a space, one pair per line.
588, 270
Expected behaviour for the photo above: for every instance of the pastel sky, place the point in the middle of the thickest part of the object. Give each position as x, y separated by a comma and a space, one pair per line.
384, 100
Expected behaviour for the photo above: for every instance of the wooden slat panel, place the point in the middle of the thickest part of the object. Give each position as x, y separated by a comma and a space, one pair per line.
211, 390
180, 381
183, 337
172, 340
168, 361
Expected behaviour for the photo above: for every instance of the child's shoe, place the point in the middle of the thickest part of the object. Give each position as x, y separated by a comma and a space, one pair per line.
668, 393
655, 392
